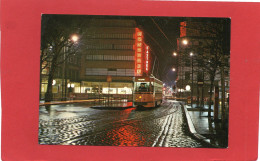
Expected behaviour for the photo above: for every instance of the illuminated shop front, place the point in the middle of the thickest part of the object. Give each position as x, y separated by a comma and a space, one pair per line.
106, 88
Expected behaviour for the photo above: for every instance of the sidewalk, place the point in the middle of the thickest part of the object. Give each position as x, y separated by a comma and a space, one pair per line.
67, 102
198, 123
200, 120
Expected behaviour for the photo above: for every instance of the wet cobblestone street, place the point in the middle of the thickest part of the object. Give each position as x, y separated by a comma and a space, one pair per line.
163, 126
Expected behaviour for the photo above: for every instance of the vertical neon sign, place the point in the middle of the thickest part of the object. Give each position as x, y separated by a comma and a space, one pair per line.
146, 64
183, 29
138, 52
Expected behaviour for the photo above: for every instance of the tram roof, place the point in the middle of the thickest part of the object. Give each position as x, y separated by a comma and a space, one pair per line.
146, 79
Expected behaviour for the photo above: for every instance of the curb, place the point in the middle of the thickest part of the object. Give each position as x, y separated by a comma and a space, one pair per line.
193, 130
111, 107
68, 102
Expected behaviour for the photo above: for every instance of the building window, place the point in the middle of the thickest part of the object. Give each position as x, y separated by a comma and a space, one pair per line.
200, 76
110, 57
187, 75
123, 47
111, 36
187, 63
89, 57
98, 57
110, 71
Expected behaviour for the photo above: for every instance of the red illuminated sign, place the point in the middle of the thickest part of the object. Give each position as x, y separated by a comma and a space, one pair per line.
146, 63
138, 52
183, 29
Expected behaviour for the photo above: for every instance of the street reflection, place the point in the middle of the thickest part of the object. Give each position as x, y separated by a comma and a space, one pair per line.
128, 134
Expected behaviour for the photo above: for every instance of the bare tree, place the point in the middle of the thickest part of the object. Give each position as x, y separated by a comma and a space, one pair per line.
57, 45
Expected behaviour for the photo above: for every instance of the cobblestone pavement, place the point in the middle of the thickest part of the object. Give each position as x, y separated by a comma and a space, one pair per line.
158, 127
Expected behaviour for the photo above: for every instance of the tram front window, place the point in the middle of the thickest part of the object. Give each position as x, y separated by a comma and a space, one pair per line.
143, 87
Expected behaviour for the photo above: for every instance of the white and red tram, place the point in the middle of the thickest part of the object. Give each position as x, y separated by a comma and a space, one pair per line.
147, 91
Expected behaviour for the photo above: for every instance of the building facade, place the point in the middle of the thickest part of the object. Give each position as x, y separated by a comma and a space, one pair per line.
114, 52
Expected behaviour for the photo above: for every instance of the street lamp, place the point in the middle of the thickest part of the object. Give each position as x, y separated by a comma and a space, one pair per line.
174, 54
74, 38
173, 69
185, 42
187, 88
191, 55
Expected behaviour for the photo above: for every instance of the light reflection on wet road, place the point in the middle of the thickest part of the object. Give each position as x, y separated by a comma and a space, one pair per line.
81, 125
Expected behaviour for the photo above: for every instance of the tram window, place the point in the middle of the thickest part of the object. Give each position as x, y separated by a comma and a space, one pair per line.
142, 87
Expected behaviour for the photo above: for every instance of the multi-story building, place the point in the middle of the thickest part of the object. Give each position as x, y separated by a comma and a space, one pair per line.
114, 52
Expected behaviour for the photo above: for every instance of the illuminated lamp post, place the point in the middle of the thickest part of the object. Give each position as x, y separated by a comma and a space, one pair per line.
74, 38
191, 55
187, 88
185, 42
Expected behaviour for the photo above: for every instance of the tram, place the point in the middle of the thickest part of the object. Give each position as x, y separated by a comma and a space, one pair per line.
147, 91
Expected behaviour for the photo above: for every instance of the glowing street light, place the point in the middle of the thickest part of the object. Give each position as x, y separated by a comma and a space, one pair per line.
191, 55
53, 82
187, 87
173, 69
174, 54
185, 42
74, 38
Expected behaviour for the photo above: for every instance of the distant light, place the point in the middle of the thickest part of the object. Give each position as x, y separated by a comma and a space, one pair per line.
181, 90
187, 87
74, 38
173, 69
191, 54
72, 85
174, 54
53, 82
185, 42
